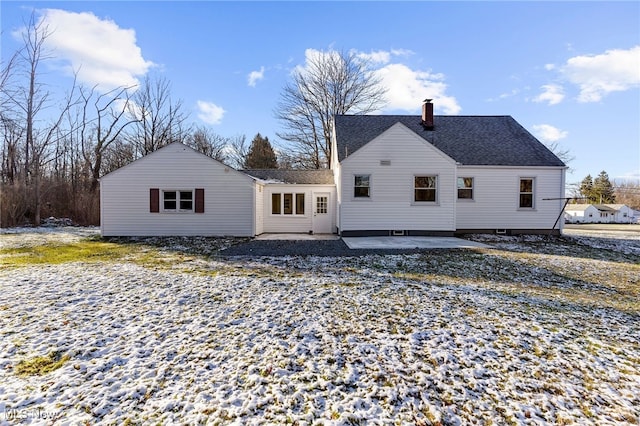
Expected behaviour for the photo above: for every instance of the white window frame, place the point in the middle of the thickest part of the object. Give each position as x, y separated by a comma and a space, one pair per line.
178, 200
436, 189
533, 193
353, 193
294, 204
472, 189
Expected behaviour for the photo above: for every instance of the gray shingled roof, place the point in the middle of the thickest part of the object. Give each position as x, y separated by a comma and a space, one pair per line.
308, 177
469, 140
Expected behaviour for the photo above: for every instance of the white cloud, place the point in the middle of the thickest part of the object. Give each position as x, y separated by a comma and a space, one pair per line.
599, 75
255, 76
551, 93
547, 133
632, 177
407, 88
210, 113
99, 50
379, 57
383, 56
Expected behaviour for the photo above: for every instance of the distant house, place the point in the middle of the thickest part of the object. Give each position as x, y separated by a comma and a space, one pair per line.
622, 213
581, 213
599, 213
389, 175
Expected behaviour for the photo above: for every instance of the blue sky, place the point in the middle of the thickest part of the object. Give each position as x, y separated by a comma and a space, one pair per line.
567, 71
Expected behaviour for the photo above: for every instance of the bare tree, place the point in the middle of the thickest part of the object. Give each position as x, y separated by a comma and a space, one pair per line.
99, 131
209, 143
237, 151
564, 154
628, 192
28, 102
158, 120
5, 91
331, 83
118, 154
12, 134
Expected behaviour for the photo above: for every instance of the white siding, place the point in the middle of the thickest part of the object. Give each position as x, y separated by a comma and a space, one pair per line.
391, 204
495, 203
229, 196
624, 214
259, 209
292, 223
584, 215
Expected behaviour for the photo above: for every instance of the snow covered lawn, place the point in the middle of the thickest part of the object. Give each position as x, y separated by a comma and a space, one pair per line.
528, 332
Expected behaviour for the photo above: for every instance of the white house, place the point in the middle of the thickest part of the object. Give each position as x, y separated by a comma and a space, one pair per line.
443, 175
389, 175
581, 213
622, 213
599, 213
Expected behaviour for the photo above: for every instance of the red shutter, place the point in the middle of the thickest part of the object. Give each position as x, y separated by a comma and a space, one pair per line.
199, 200
154, 200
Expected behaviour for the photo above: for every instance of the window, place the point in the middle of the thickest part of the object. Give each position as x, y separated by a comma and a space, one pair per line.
361, 186
179, 201
465, 188
276, 205
173, 201
169, 200
526, 193
322, 205
186, 200
424, 188
299, 203
287, 204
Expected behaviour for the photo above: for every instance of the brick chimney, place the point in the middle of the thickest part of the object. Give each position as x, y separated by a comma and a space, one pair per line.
427, 114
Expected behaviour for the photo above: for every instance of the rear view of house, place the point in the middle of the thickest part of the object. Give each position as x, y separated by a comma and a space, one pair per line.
389, 175
443, 175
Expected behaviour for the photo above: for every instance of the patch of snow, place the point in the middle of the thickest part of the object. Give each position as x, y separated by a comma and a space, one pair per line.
317, 340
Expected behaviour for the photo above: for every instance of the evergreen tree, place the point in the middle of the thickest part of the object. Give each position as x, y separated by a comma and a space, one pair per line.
261, 154
603, 189
586, 188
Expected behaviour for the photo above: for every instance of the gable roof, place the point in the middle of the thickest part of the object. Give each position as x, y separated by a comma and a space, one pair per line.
577, 207
605, 208
302, 177
175, 148
469, 140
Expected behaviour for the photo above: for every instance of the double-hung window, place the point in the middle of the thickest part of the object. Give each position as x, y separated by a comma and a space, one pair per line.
177, 201
362, 186
425, 189
526, 193
465, 188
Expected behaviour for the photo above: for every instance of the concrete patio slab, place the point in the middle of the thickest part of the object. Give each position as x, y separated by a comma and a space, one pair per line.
410, 243
297, 237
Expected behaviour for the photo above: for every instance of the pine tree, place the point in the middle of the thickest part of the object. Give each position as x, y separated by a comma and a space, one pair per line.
261, 154
603, 189
586, 188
